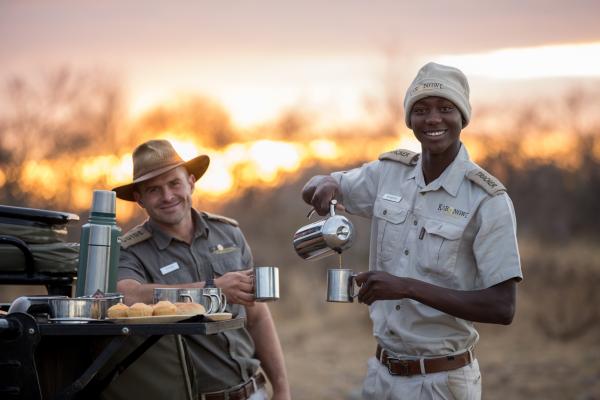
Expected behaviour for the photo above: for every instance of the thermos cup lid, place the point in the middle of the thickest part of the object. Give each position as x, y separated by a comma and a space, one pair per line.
99, 235
104, 201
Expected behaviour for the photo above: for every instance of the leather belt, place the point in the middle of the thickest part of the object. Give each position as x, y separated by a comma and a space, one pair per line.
241, 393
422, 366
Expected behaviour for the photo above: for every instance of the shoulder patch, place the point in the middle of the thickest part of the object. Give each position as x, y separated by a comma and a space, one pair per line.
488, 182
403, 156
135, 236
220, 218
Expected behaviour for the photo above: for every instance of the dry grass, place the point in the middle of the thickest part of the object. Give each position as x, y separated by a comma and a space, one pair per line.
551, 351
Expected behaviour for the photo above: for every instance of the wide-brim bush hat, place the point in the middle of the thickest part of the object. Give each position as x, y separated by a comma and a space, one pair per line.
154, 158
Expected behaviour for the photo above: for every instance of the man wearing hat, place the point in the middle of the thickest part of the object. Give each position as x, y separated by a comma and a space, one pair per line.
443, 247
180, 247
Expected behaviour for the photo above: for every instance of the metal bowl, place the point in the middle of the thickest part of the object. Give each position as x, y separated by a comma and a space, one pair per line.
83, 308
33, 305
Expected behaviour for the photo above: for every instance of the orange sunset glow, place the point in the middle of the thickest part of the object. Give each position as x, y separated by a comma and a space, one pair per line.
253, 164
259, 163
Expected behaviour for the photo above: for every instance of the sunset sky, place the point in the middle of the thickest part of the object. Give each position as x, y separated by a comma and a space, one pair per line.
337, 62
258, 58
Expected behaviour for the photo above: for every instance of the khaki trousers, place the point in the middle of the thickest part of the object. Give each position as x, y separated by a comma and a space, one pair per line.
459, 384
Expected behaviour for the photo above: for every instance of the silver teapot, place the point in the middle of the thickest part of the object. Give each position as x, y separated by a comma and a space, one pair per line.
324, 237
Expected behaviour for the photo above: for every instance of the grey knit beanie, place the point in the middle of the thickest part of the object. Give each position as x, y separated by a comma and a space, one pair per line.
441, 81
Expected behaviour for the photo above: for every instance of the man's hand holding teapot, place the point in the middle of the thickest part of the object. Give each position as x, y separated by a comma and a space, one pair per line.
319, 191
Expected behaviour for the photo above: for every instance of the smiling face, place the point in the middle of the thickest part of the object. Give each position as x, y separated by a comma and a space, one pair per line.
167, 198
436, 123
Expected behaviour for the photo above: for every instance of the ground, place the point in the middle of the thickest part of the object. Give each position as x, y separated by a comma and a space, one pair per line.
551, 351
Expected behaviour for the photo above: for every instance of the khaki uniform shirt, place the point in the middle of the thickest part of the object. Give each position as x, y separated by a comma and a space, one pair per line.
222, 360
458, 232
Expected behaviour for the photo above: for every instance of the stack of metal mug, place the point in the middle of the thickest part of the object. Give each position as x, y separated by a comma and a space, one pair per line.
212, 298
266, 288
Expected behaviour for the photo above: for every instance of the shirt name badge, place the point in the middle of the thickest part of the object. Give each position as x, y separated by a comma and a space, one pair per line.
169, 268
391, 197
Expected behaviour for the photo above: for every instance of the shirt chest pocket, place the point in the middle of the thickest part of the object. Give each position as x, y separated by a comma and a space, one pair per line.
391, 227
437, 247
225, 258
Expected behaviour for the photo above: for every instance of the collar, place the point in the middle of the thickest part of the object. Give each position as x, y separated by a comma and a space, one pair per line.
450, 179
163, 239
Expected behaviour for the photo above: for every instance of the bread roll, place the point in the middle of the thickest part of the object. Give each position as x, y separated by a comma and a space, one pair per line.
164, 308
139, 310
119, 310
190, 309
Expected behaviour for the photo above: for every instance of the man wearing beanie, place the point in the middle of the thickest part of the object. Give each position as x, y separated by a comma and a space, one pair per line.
443, 248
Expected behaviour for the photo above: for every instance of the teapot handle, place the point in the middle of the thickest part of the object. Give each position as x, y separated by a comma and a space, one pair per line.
332, 205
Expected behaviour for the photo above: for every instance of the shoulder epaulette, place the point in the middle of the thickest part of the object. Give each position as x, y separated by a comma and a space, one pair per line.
135, 236
220, 218
403, 156
488, 182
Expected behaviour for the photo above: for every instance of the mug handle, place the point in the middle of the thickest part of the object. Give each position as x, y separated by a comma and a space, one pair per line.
223, 302
187, 298
219, 299
212, 307
355, 287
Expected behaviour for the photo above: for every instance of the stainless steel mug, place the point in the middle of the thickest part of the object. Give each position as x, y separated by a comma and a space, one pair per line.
324, 237
212, 299
341, 285
266, 283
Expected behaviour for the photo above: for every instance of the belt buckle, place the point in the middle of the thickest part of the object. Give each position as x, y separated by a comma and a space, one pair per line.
402, 364
254, 387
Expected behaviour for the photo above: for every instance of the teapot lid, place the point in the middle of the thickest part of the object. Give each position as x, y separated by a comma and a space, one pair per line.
338, 232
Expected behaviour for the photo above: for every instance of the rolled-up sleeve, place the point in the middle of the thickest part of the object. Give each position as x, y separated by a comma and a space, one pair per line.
495, 245
359, 188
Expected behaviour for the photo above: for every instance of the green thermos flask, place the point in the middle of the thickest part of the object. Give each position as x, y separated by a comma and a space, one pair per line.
103, 212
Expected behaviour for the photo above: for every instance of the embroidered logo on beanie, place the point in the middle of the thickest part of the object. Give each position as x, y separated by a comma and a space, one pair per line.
441, 81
